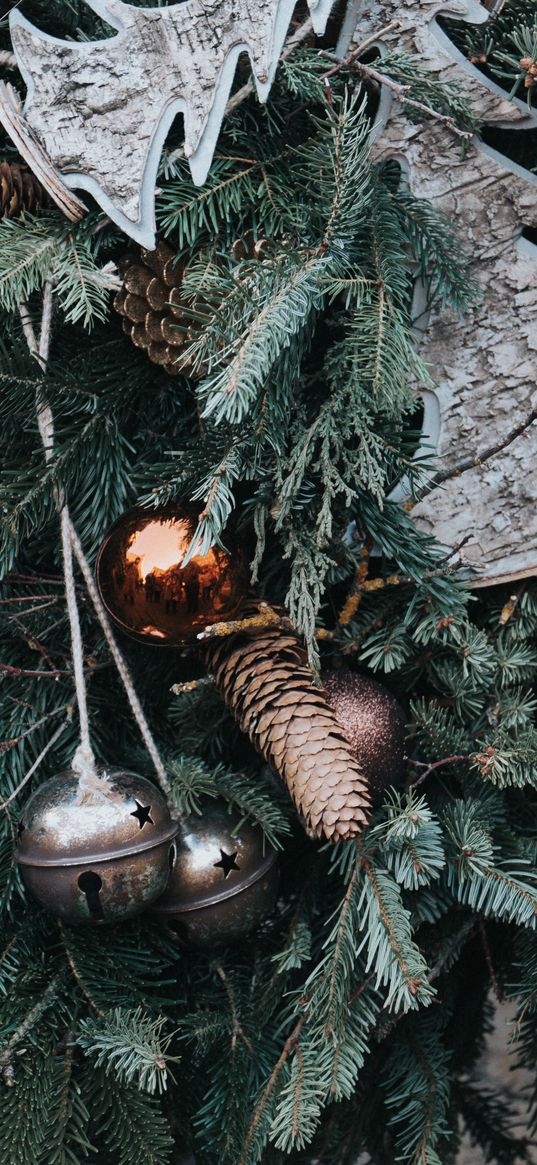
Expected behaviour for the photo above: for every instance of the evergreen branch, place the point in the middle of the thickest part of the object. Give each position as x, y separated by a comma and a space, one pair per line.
237, 1030
77, 976
385, 924
30, 1021
255, 1127
131, 1045
401, 91
129, 1122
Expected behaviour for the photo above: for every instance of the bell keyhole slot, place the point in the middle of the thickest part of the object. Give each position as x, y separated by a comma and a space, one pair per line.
172, 856
91, 884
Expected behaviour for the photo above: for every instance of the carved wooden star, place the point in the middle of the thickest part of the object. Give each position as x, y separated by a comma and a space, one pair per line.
102, 109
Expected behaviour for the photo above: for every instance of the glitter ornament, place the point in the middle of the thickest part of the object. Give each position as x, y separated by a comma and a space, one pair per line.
224, 880
96, 848
374, 723
146, 590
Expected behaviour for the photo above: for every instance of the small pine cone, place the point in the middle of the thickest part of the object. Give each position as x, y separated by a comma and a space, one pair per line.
150, 303
154, 314
266, 681
19, 190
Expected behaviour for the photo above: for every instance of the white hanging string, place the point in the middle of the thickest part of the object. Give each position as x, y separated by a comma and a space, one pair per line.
83, 761
120, 663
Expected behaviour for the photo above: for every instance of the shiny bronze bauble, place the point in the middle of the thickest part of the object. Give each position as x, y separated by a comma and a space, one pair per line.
150, 594
374, 723
224, 880
96, 848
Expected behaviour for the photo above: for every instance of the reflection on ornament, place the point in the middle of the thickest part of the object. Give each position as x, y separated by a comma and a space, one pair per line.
374, 723
145, 587
224, 880
96, 849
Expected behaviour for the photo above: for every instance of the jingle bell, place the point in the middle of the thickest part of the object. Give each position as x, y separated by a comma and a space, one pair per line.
224, 880
98, 848
148, 592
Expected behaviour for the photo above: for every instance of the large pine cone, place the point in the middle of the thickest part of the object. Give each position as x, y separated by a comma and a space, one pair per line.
266, 681
150, 303
19, 190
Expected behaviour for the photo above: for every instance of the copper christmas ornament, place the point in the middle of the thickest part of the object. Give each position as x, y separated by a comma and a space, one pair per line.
96, 849
374, 724
224, 880
146, 590
265, 679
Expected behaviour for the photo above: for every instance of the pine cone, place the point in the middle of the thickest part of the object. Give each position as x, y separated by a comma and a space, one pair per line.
19, 190
266, 681
154, 316
150, 302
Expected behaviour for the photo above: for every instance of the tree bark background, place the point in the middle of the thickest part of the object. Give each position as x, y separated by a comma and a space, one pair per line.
484, 364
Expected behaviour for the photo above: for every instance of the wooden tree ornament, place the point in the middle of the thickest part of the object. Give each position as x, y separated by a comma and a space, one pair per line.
101, 110
481, 417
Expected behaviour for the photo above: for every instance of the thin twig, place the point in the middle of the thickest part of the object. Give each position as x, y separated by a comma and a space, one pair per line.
267, 617
237, 1030
192, 685
76, 975
359, 51
6, 745
438, 764
56, 735
28, 599
29, 1022
23, 671
288, 1047
399, 90
488, 959
471, 461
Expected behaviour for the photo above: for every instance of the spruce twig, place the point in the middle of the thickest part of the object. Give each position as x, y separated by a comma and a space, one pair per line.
238, 1031
76, 974
400, 91
28, 1023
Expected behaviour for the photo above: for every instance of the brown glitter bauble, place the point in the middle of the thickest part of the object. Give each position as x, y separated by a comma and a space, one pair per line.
146, 590
224, 880
96, 849
374, 723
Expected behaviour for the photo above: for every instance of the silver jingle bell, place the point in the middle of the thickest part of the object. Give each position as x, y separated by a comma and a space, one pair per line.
224, 880
96, 849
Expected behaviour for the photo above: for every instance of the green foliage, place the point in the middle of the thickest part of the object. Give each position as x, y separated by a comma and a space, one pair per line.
350, 1023
127, 1123
131, 1045
34, 250
418, 1114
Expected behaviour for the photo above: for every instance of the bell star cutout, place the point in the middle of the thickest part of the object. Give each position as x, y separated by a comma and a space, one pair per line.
102, 109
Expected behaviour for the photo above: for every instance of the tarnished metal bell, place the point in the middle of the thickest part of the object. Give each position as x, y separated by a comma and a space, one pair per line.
148, 592
224, 881
96, 848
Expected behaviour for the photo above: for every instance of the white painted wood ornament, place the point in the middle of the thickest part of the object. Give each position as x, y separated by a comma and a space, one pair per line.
101, 110
482, 416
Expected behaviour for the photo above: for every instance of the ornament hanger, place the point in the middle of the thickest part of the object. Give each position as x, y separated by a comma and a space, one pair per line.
84, 760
